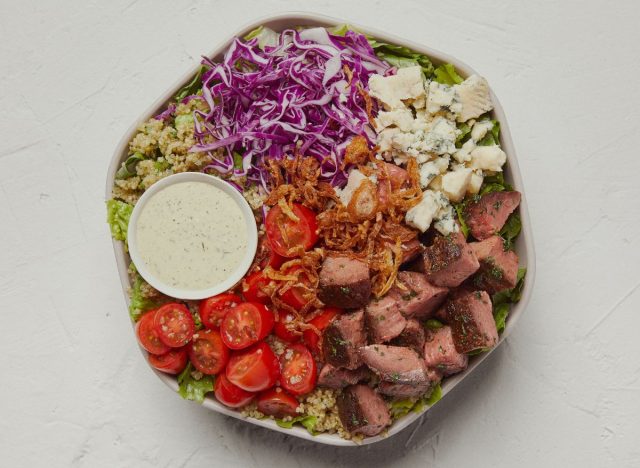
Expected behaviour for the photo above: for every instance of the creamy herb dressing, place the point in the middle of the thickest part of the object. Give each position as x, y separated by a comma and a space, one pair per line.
191, 235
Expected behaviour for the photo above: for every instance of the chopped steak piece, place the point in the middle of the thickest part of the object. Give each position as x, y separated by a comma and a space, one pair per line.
486, 216
404, 390
411, 337
362, 410
498, 269
449, 261
440, 352
472, 324
342, 339
335, 377
344, 282
395, 364
384, 320
417, 297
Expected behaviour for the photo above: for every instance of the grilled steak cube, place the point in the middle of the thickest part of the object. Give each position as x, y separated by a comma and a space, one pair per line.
411, 337
417, 297
342, 339
486, 216
440, 353
498, 268
335, 377
362, 410
404, 390
471, 318
384, 320
449, 261
395, 364
344, 282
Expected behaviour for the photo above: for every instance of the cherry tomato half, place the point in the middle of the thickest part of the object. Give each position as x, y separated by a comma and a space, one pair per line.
252, 287
254, 369
207, 352
277, 403
246, 324
266, 257
148, 335
231, 395
174, 324
297, 369
286, 236
297, 296
172, 362
213, 309
282, 328
321, 321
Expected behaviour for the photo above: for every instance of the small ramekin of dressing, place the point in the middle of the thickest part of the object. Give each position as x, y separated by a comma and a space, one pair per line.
192, 235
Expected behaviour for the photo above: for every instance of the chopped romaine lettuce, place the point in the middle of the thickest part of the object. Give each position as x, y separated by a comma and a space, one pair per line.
502, 300
433, 324
192, 87
446, 74
191, 388
118, 214
465, 130
511, 230
128, 168
500, 313
492, 137
237, 160
309, 423
265, 36
459, 207
401, 408
138, 304
400, 56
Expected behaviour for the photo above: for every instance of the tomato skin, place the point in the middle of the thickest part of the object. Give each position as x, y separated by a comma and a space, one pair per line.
303, 233
175, 324
281, 330
229, 394
295, 297
321, 321
265, 256
252, 287
277, 403
172, 362
298, 373
213, 309
254, 369
246, 324
207, 352
148, 335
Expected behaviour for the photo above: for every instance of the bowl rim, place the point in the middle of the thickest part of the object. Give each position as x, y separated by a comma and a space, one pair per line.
526, 250
249, 222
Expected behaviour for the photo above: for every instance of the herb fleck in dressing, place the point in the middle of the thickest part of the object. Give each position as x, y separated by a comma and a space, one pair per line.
191, 235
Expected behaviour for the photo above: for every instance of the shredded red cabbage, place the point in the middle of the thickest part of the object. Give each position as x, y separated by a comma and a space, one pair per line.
293, 97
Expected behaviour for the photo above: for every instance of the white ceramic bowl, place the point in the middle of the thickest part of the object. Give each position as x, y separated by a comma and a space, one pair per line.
524, 245
234, 277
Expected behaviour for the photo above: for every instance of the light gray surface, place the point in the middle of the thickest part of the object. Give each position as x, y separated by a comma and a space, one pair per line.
565, 388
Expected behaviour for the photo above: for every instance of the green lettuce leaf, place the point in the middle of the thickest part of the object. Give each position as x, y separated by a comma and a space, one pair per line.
128, 168
266, 36
118, 214
500, 313
400, 56
433, 324
465, 131
192, 87
446, 74
401, 408
493, 136
494, 183
237, 160
511, 230
191, 388
502, 300
309, 423
459, 207
138, 304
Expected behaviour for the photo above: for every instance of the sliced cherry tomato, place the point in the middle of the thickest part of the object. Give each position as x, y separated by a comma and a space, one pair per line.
231, 395
266, 257
172, 362
246, 324
148, 335
175, 324
287, 236
207, 352
254, 369
297, 296
213, 309
297, 369
281, 329
321, 321
277, 403
252, 288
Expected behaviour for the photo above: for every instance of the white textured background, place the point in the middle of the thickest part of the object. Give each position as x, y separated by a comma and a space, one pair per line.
75, 391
